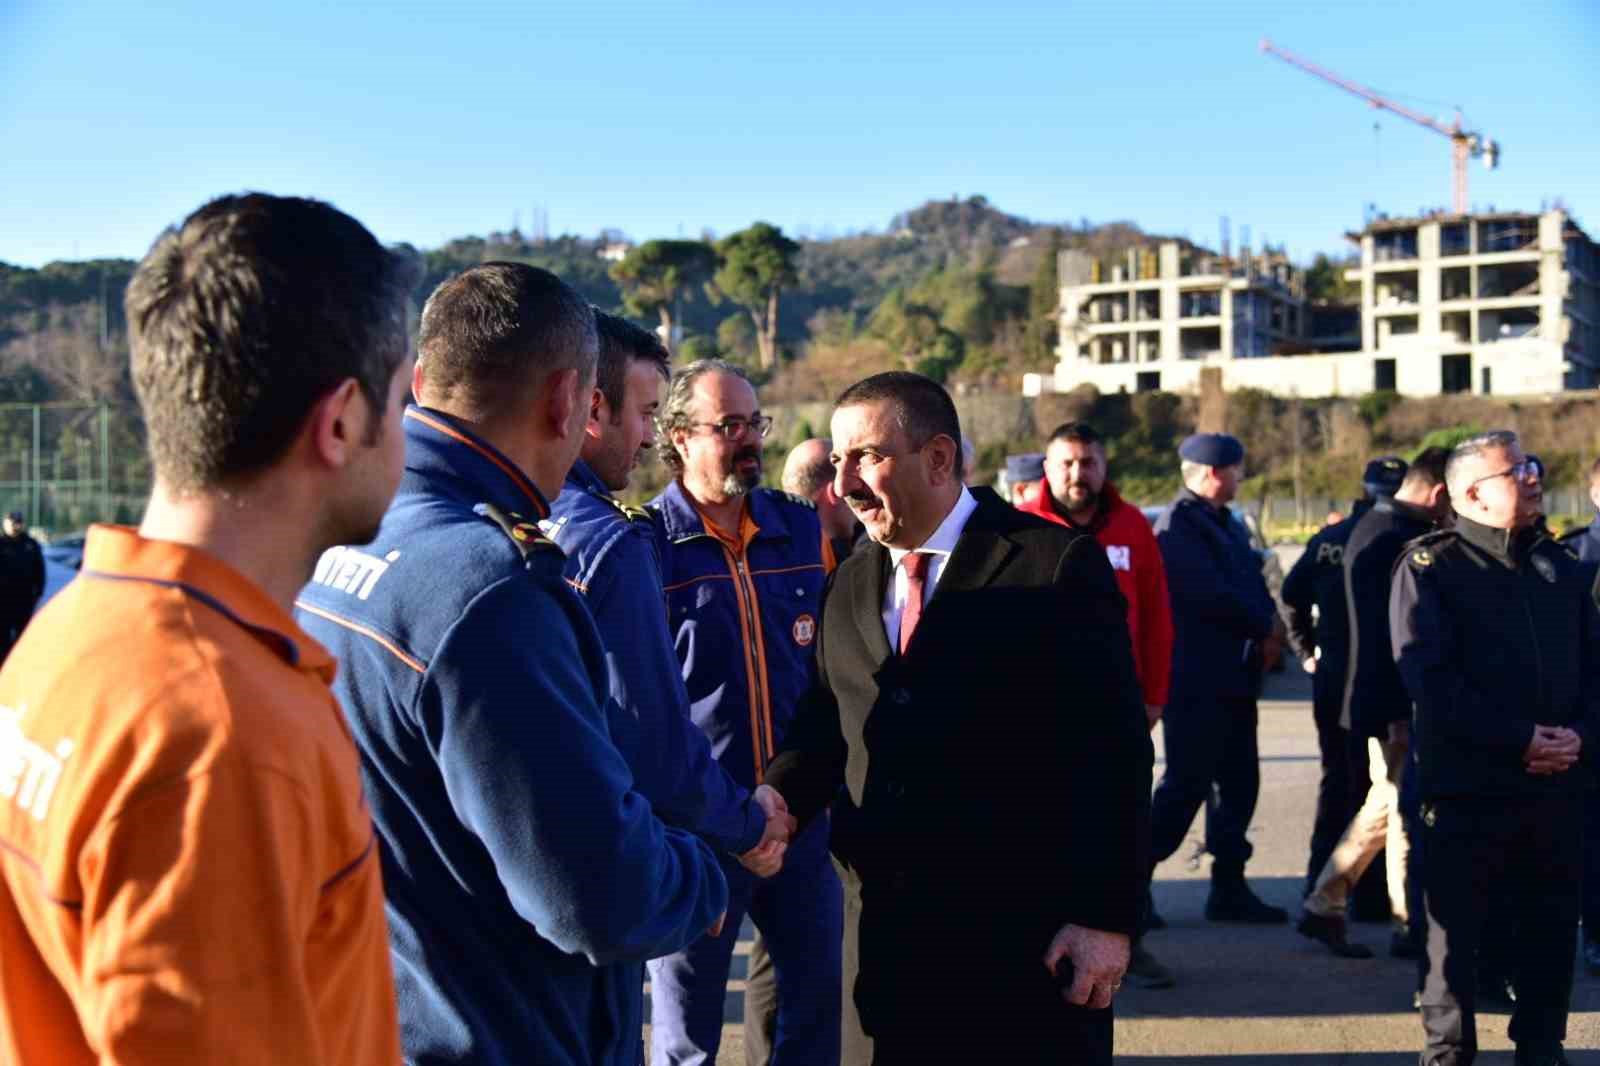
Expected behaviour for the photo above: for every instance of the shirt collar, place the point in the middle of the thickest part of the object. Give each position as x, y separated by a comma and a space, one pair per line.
439, 445
943, 540
119, 553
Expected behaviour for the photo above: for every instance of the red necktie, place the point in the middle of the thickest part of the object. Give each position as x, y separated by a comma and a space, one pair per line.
916, 567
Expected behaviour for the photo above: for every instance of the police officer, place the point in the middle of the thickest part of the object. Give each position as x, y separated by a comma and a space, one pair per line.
1321, 640
1496, 638
21, 578
1585, 540
525, 876
1375, 710
1223, 621
744, 568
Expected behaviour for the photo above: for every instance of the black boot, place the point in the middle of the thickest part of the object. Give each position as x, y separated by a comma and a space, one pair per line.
1232, 901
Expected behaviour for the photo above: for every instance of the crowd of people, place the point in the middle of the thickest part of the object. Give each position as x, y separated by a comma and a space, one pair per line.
394, 733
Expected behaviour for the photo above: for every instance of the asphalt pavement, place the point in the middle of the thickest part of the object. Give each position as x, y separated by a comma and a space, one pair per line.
1265, 996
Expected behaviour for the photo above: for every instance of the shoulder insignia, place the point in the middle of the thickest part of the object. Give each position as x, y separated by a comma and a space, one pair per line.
1422, 558
631, 512
527, 536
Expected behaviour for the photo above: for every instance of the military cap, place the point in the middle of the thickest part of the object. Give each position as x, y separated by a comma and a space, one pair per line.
1212, 449
1028, 467
1383, 476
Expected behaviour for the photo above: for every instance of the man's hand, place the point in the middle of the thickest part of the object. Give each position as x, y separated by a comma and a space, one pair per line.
1553, 750
1099, 960
766, 858
1309, 664
1152, 714
1400, 733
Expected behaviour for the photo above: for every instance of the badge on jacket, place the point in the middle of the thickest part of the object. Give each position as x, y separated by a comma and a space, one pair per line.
1121, 556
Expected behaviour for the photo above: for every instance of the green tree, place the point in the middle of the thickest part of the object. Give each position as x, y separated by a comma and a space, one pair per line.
756, 265
1044, 302
657, 274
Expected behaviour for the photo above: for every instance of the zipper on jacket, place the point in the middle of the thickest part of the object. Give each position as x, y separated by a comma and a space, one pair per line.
1533, 632
753, 663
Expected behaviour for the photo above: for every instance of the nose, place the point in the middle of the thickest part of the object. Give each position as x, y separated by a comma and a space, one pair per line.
845, 479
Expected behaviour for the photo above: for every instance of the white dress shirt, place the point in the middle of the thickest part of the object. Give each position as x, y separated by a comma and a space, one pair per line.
939, 545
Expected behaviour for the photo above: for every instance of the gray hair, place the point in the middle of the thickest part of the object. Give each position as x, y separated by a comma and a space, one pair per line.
1190, 470
1468, 452
675, 412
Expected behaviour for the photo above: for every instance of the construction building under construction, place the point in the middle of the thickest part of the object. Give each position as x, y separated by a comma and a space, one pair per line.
1494, 304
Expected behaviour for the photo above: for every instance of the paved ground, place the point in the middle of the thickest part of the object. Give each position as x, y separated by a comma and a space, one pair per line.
1252, 996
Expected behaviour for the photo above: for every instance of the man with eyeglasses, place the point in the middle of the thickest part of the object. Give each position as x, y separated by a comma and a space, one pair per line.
1496, 637
744, 568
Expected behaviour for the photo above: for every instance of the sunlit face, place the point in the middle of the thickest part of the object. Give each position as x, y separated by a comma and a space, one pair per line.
1076, 472
1504, 491
893, 488
623, 437
715, 467
375, 472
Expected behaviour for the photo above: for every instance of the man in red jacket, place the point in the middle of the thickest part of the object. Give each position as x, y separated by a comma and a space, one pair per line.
1075, 492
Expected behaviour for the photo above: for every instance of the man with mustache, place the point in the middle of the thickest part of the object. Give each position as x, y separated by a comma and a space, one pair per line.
1075, 492
744, 568
999, 844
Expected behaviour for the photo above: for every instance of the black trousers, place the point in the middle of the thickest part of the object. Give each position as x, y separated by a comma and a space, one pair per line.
1334, 809
1210, 745
1526, 852
1591, 866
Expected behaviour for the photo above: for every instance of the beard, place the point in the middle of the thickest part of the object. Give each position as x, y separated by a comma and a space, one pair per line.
1079, 497
735, 483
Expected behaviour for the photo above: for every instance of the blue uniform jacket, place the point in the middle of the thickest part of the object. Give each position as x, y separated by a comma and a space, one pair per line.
611, 560
521, 870
745, 625
1221, 609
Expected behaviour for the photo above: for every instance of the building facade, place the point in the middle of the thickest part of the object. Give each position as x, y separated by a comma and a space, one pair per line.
1494, 304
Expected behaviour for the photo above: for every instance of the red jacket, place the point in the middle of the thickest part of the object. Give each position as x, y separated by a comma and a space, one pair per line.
1136, 560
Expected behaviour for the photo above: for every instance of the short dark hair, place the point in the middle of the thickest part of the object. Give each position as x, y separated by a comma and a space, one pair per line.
923, 408
245, 315
1077, 433
621, 343
491, 331
1427, 469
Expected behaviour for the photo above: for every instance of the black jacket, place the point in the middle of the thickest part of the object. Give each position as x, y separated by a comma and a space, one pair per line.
1494, 633
21, 578
1317, 580
979, 818
1374, 695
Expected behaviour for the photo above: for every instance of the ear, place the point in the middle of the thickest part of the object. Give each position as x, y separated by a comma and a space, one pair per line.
338, 423
562, 401
416, 381
599, 413
940, 454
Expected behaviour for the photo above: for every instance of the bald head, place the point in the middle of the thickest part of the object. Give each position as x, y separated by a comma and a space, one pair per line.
808, 470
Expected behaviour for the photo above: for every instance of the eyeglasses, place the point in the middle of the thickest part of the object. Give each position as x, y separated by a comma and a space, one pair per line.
733, 428
1516, 472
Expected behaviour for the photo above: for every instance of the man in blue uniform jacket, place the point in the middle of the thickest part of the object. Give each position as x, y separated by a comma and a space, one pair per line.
744, 568
1222, 618
523, 872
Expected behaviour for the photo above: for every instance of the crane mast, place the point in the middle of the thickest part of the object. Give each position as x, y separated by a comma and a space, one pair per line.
1464, 144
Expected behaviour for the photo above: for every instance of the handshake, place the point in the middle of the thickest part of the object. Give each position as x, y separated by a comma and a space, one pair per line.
766, 858
1552, 750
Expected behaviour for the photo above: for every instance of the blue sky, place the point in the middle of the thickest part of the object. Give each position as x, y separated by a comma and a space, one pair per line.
434, 121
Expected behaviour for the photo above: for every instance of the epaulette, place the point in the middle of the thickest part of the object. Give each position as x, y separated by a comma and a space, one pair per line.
528, 537
792, 498
1420, 552
1573, 534
629, 511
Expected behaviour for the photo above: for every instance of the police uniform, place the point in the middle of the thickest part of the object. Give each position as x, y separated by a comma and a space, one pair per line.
743, 607
1495, 631
1585, 541
1221, 612
525, 878
1317, 580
